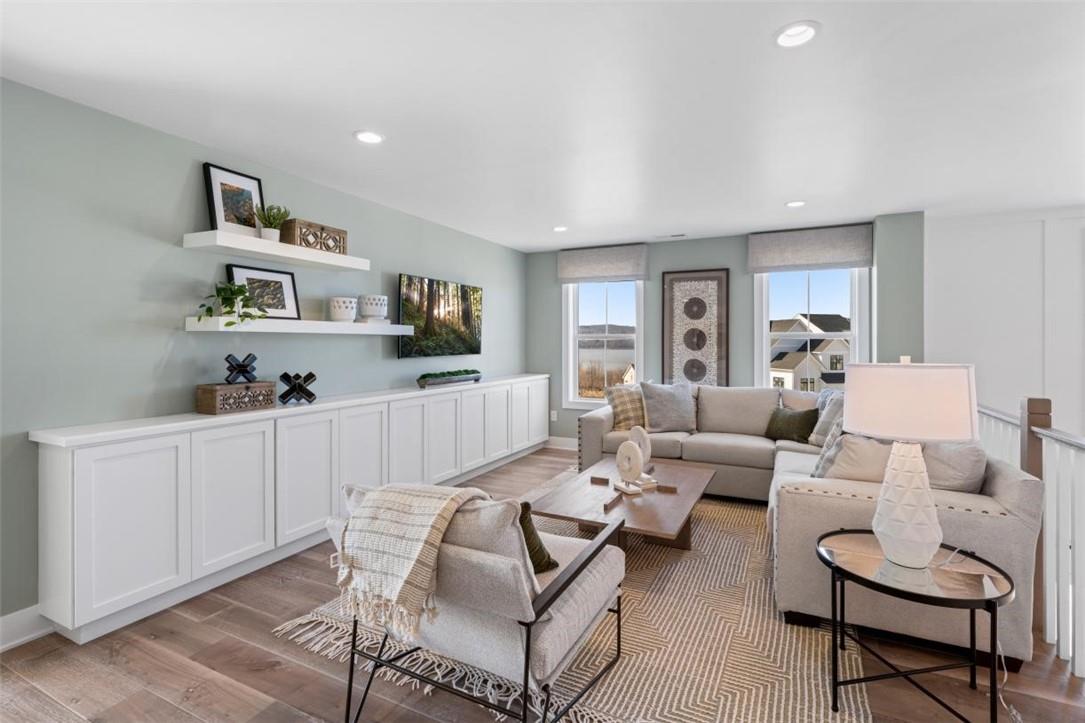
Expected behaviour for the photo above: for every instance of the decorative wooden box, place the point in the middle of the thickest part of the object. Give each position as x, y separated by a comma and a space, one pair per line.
310, 235
229, 398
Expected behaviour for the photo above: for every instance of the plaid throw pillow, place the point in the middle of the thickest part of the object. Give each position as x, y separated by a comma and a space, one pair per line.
628, 405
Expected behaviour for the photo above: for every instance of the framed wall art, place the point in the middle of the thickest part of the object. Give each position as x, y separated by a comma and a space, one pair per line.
232, 199
696, 310
274, 291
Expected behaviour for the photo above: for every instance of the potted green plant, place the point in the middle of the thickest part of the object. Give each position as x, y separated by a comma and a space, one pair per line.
271, 219
235, 302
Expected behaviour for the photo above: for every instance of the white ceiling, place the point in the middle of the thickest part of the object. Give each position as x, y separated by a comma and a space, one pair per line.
622, 122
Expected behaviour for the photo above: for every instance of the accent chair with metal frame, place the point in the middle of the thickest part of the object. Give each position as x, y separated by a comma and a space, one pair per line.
495, 614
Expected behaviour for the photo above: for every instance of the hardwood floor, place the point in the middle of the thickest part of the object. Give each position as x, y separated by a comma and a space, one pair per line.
214, 658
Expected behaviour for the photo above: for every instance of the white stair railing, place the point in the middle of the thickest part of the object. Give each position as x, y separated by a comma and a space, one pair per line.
1058, 458
1064, 545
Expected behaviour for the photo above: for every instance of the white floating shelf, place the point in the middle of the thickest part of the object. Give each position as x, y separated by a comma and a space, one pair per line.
233, 244
294, 326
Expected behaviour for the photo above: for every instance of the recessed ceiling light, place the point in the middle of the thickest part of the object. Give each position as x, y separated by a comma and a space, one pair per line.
796, 204
561, 229
370, 137
795, 34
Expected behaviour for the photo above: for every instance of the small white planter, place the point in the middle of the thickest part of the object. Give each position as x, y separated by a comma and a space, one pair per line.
342, 308
374, 307
269, 234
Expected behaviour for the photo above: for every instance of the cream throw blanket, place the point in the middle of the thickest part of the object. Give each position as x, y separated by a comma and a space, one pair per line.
388, 555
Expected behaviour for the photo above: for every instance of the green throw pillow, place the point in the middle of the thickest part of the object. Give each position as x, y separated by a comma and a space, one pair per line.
792, 424
536, 550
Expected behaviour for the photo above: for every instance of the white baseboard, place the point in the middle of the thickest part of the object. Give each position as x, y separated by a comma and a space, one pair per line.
562, 443
22, 626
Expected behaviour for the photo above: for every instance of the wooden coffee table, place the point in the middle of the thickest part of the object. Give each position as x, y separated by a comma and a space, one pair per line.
662, 517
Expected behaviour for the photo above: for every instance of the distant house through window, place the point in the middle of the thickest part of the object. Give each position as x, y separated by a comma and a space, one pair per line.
810, 325
603, 338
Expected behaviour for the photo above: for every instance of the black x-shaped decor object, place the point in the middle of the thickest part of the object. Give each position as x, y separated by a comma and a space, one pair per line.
238, 370
297, 388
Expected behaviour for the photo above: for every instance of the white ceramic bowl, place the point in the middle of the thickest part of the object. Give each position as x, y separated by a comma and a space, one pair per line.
342, 308
374, 306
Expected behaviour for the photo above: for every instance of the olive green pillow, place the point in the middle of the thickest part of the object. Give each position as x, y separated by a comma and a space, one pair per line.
792, 424
536, 550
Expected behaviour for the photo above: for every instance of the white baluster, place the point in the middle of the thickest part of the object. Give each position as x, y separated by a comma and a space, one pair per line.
1077, 581
1050, 542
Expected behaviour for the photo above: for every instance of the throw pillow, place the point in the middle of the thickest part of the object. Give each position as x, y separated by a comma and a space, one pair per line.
799, 401
960, 467
628, 405
833, 408
790, 424
824, 396
669, 408
536, 550
860, 458
829, 451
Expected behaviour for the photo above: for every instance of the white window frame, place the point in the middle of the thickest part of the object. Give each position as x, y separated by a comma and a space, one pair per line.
860, 334
570, 309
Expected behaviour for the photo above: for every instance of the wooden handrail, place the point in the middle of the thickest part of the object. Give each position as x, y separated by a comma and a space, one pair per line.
999, 415
1058, 435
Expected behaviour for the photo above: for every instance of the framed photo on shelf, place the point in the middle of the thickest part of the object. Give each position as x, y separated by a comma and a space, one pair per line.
274, 291
695, 319
232, 199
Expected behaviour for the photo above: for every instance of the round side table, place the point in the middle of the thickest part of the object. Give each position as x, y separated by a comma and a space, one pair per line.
954, 579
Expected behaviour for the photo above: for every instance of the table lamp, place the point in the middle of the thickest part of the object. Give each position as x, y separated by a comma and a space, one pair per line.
909, 404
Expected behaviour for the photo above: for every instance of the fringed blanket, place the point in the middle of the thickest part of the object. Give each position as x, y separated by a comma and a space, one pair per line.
388, 553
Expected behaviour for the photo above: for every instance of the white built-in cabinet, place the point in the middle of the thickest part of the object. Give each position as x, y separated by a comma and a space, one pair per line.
307, 473
131, 511
363, 445
133, 523
442, 437
407, 453
233, 495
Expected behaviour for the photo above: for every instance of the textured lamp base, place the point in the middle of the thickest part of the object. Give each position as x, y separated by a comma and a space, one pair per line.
906, 520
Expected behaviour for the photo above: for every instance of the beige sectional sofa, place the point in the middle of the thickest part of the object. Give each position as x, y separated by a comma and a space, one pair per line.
729, 438
1000, 523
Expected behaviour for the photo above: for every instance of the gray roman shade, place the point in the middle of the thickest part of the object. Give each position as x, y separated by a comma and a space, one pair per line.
603, 263
835, 247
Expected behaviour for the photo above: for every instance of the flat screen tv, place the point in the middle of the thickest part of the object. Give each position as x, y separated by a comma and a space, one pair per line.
446, 316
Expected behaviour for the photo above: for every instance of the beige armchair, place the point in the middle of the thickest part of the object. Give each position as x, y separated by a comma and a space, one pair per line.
496, 615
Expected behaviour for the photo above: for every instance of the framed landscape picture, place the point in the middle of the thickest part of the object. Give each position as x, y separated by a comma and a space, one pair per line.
446, 316
274, 291
696, 309
232, 199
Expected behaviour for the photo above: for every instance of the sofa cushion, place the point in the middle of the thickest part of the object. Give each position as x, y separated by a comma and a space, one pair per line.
736, 410
669, 408
834, 409
791, 424
786, 445
627, 404
799, 401
740, 450
665, 445
954, 467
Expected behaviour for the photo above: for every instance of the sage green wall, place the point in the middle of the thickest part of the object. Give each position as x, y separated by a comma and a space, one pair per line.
544, 312
898, 287
95, 287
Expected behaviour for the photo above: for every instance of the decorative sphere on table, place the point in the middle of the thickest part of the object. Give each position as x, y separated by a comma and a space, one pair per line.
639, 436
630, 462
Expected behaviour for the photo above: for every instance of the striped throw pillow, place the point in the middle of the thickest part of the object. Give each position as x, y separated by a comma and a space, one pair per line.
628, 405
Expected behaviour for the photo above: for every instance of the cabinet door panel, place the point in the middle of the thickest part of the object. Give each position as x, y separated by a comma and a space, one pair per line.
497, 423
519, 413
233, 495
363, 446
133, 523
539, 411
443, 437
407, 442
472, 429
306, 474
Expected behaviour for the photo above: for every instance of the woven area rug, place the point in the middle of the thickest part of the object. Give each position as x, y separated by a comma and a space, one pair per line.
701, 638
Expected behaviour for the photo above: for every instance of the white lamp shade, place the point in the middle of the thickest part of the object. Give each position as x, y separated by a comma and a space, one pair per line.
911, 402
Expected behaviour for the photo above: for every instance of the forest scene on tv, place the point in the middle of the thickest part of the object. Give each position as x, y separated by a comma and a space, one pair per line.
446, 316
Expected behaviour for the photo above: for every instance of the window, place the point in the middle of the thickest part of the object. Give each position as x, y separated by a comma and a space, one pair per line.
810, 324
602, 340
